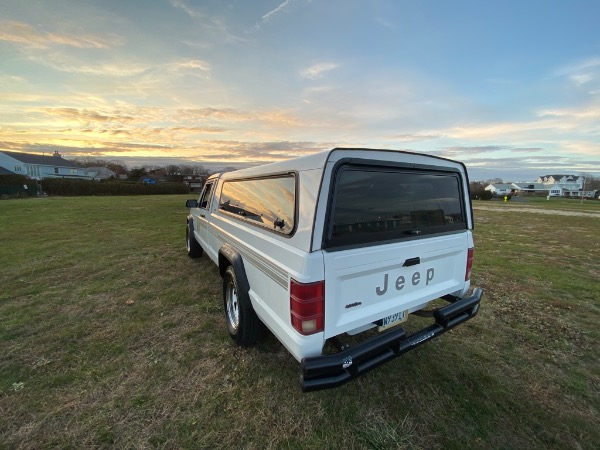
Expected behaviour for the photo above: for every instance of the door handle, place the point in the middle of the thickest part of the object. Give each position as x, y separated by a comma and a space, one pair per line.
412, 262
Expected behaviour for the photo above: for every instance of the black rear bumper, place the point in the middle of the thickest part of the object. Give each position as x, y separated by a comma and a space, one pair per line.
328, 371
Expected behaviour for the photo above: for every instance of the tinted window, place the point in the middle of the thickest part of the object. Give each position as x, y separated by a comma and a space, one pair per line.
373, 205
269, 202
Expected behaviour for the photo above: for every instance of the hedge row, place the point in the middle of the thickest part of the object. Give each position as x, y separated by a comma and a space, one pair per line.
71, 187
481, 195
13, 185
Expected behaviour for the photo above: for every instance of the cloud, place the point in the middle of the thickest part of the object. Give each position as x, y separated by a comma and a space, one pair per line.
534, 129
264, 151
200, 130
472, 150
581, 78
181, 4
86, 116
268, 16
579, 66
221, 114
192, 64
22, 33
535, 163
527, 150
318, 70
273, 13
592, 112
196, 67
383, 22
407, 137
581, 72
115, 70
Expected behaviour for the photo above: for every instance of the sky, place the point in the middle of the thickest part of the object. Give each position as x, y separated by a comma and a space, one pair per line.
511, 88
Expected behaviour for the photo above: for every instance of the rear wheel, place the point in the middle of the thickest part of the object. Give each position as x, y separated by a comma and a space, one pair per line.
194, 250
243, 325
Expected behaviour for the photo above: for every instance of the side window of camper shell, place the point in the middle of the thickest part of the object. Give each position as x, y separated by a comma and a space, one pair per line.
382, 204
269, 202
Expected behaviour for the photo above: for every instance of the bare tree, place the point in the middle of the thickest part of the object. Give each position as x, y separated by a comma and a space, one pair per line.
592, 183
117, 166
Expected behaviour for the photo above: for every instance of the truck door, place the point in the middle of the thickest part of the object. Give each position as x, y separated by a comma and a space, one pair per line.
202, 218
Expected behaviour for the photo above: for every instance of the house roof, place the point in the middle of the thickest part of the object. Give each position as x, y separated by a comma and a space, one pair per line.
534, 186
4, 171
502, 185
558, 177
42, 160
100, 171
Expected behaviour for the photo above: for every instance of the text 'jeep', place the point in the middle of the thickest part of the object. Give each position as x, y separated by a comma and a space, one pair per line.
337, 244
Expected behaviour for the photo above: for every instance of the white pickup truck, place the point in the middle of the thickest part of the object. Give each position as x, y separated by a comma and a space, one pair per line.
337, 244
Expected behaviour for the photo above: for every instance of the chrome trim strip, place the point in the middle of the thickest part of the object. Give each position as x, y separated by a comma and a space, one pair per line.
274, 272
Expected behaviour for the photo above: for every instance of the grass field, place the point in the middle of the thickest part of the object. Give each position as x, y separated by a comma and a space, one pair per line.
111, 337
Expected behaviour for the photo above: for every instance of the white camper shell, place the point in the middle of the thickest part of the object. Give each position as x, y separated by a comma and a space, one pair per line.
335, 244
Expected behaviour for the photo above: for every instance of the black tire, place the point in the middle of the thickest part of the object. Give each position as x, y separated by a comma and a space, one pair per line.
243, 325
194, 250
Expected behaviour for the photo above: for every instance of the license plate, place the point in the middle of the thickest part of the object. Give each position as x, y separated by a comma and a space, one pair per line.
392, 320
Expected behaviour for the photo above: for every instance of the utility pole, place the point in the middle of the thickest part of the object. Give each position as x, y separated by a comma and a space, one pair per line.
583, 191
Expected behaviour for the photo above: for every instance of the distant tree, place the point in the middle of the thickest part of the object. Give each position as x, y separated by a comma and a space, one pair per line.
88, 161
186, 170
493, 181
136, 174
172, 172
228, 169
592, 183
117, 166
200, 170
478, 191
171, 169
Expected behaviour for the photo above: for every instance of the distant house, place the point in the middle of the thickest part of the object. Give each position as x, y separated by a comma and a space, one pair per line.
547, 185
581, 194
501, 188
566, 182
540, 188
195, 182
99, 173
38, 167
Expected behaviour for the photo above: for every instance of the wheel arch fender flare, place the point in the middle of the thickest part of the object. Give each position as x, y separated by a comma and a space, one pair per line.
190, 223
229, 256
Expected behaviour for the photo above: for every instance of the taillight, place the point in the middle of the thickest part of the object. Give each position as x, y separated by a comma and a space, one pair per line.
307, 306
469, 264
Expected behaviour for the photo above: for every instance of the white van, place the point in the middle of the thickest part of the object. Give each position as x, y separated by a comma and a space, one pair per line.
337, 243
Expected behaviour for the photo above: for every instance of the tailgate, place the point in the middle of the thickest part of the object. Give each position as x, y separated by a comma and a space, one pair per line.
365, 285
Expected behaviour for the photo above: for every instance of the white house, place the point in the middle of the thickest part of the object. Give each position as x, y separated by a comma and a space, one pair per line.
552, 190
566, 182
99, 173
40, 166
501, 188
581, 194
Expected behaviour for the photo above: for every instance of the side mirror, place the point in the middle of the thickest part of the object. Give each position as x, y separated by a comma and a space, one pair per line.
191, 203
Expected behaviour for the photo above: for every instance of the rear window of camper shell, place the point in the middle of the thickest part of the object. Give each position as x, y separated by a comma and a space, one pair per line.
373, 204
